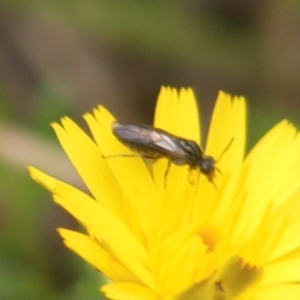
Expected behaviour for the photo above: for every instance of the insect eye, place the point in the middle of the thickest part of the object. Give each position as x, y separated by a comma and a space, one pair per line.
207, 165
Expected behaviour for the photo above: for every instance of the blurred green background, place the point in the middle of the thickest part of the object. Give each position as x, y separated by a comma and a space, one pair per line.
63, 57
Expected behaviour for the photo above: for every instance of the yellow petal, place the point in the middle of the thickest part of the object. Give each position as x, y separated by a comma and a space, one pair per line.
278, 292
95, 255
270, 172
285, 269
176, 113
107, 230
226, 143
125, 169
88, 161
128, 291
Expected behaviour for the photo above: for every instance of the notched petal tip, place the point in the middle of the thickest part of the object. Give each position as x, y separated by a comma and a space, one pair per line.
46, 181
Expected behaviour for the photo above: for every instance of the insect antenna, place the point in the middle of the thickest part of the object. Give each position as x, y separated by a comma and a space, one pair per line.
221, 155
224, 151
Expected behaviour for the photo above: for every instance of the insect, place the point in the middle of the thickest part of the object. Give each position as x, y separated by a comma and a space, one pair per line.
155, 143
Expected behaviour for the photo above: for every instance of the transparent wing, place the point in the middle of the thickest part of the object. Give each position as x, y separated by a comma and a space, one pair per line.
147, 140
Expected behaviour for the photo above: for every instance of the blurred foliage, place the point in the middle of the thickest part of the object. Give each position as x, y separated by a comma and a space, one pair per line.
64, 57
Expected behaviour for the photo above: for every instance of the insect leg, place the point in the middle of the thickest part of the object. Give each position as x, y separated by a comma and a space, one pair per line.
166, 173
120, 155
210, 178
218, 170
213, 183
191, 180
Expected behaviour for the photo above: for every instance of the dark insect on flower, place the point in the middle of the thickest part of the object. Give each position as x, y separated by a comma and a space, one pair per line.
155, 143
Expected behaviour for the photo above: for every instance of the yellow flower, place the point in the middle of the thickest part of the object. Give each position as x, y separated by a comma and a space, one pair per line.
170, 238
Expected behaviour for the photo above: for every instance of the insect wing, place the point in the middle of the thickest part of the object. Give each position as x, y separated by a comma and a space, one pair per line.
128, 133
149, 141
